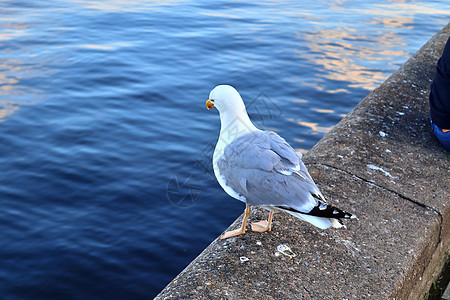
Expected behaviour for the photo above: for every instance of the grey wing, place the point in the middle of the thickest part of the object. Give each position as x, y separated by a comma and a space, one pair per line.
263, 168
304, 172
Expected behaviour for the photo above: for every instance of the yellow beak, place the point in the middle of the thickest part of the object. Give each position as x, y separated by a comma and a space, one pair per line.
209, 104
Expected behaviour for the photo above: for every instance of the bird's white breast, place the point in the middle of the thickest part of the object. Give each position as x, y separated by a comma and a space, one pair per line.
218, 153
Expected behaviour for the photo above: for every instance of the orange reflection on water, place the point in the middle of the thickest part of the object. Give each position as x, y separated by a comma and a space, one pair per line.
7, 86
12, 30
302, 151
316, 129
395, 22
342, 53
342, 59
401, 8
323, 111
125, 5
6, 82
12, 94
7, 108
12, 70
220, 15
111, 46
338, 91
96, 47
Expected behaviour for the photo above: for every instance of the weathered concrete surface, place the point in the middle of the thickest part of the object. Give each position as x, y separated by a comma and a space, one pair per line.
380, 162
387, 140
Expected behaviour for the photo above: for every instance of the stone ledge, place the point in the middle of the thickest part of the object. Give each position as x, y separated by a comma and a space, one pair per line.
381, 162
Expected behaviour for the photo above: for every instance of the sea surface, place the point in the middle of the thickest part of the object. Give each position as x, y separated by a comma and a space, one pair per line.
106, 186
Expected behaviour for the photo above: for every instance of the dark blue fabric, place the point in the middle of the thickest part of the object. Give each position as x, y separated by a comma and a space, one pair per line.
444, 138
440, 91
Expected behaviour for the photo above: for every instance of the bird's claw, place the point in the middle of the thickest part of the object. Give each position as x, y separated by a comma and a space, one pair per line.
261, 226
232, 233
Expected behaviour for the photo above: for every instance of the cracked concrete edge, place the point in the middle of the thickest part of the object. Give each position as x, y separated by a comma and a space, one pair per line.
389, 190
418, 281
380, 186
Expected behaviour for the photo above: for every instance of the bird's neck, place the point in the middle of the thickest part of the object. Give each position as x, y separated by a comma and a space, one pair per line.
234, 124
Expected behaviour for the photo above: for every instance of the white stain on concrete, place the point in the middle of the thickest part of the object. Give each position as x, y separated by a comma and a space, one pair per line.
243, 259
285, 250
373, 167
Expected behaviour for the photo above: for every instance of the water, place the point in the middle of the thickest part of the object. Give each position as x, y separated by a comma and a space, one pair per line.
105, 183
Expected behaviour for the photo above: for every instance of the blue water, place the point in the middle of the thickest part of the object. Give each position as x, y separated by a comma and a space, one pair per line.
105, 185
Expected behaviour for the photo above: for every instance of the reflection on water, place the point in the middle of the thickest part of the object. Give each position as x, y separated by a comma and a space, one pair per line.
111, 46
7, 108
323, 111
400, 8
315, 127
11, 68
13, 92
301, 100
302, 151
342, 54
125, 5
18, 63
6, 82
395, 22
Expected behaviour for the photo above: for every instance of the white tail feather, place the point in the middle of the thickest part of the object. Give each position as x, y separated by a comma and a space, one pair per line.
336, 224
322, 223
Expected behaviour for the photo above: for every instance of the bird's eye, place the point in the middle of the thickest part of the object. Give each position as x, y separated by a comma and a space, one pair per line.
212, 100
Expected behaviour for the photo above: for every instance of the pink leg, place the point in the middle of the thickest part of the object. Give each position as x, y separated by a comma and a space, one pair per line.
242, 229
263, 226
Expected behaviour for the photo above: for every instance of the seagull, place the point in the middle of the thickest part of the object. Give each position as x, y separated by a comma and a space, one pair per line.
261, 169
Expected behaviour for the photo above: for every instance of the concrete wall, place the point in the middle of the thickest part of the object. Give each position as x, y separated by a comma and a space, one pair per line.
380, 162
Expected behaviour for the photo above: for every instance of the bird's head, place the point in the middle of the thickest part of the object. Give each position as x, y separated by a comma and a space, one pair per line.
225, 98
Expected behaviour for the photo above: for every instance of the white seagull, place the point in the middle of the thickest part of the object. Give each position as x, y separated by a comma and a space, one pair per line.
260, 168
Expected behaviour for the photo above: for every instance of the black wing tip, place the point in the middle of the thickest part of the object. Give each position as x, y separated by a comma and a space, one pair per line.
329, 212
324, 211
